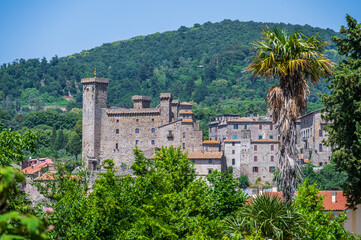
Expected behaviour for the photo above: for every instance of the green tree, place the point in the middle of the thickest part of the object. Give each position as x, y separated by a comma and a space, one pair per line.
13, 145
293, 60
60, 141
75, 145
13, 224
343, 108
319, 225
243, 181
269, 216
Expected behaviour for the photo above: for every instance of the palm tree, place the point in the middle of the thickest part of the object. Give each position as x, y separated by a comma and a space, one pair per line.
269, 217
293, 60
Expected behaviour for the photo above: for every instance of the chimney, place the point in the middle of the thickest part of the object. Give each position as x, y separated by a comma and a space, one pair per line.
333, 196
274, 187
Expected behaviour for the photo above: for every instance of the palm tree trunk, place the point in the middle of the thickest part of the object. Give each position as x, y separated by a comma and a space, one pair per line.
288, 160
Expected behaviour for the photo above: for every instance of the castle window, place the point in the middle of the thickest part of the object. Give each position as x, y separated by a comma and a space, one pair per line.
152, 119
245, 126
184, 134
320, 147
137, 130
235, 126
136, 142
233, 151
271, 168
184, 145
271, 127
233, 161
137, 120
272, 158
320, 132
255, 147
233, 144
271, 136
260, 126
320, 164
153, 130
117, 131
153, 142
272, 147
117, 120
116, 146
255, 169
255, 158
210, 170
209, 160
259, 136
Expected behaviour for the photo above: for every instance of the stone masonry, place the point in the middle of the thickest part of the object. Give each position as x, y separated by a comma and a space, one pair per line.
113, 132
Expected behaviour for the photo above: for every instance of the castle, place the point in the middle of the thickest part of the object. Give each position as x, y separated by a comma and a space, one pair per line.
248, 144
113, 132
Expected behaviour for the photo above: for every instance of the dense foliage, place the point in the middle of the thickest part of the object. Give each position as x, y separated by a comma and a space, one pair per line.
204, 63
343, 108
326, 178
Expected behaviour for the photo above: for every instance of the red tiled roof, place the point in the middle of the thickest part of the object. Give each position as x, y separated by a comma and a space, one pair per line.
205, 155
232, 140
46, 177
339, 205
211, 142
186, 103
265, 141
187, 120
185, 112
35, 168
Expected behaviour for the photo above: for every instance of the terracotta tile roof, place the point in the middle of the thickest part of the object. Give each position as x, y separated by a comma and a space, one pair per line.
265, 141
339, 205
187, 120
35, 168
247, 119
185, 112
232, 140
205, 155
186, 103
211, 142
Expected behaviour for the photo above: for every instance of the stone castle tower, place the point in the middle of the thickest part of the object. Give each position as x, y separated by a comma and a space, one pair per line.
94, 99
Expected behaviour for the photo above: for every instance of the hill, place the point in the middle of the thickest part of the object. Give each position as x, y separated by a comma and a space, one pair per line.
204, 64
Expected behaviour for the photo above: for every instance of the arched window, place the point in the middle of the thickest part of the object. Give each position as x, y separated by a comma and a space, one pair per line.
137, 130
153, 130
117, 131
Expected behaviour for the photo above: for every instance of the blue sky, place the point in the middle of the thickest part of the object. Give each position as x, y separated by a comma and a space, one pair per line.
45, 28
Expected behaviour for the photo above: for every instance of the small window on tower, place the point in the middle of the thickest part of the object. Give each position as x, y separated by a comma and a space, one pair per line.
153, 142
153, 130
233, 161
137, 130
117, 131
117, 120
137, 120
116, 146
152, 119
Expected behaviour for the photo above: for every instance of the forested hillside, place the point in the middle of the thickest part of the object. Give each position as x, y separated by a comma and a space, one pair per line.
204, 64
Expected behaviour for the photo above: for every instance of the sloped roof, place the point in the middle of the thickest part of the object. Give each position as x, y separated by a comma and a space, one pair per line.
232, 140
186, 104
185, 112
211, 142
35, 168
205, 155
265, 141
187, 120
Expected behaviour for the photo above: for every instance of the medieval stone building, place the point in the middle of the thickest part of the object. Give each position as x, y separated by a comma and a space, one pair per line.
113, 132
